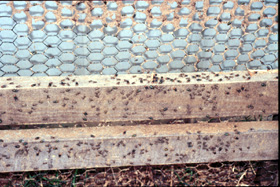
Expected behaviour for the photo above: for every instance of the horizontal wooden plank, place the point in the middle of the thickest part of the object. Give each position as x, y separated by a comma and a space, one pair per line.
67, 148
52, 100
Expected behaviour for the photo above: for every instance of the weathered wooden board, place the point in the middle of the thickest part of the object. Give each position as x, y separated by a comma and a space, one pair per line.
65, 148
51, 100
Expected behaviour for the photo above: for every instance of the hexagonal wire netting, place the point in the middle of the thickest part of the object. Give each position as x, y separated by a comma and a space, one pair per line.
52, 38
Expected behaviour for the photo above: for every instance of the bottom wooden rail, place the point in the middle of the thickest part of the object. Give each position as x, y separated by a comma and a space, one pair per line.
48, 149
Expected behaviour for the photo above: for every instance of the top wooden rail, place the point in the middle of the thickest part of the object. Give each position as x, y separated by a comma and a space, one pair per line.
74, 99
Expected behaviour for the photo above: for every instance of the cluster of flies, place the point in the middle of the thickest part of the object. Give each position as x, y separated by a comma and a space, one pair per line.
223, 143
150, 82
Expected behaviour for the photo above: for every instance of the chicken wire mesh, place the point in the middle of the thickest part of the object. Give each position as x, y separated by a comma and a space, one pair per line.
52, 38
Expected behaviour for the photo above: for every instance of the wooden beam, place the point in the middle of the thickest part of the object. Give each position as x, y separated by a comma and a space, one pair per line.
67, 148
52, 100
